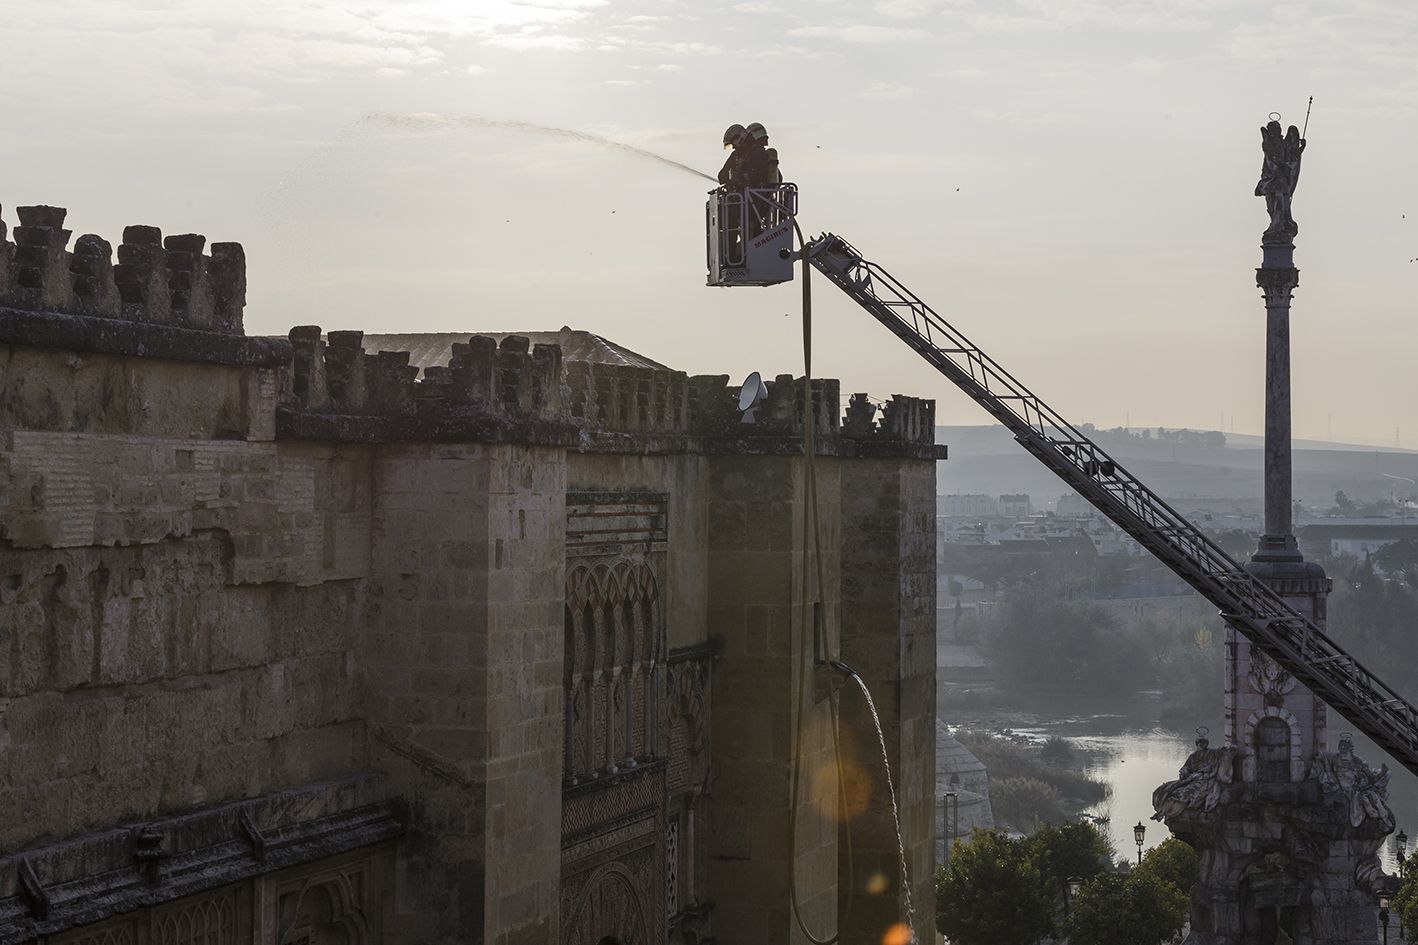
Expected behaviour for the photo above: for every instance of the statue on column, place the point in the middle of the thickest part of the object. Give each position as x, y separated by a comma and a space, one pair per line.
1279, 175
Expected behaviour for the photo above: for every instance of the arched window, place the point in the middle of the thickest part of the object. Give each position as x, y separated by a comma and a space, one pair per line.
614, 652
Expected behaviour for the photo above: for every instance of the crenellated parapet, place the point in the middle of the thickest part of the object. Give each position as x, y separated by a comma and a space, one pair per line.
333, 374
514, 390
619, 398
334, 389
155, 280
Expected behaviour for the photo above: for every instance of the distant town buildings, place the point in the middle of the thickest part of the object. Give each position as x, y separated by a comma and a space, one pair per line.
1357, 538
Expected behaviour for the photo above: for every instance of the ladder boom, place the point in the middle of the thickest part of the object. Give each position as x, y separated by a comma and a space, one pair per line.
1247, 604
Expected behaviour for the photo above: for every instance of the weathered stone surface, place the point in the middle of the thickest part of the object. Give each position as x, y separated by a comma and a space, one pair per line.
155, 281
236, 571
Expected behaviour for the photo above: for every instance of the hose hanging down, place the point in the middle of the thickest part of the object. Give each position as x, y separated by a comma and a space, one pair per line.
812, 630
814, 635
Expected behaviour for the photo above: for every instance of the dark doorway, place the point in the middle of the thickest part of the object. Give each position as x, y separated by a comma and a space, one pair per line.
1272, 750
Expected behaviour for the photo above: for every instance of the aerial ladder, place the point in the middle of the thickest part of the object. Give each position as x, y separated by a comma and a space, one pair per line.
1248, 605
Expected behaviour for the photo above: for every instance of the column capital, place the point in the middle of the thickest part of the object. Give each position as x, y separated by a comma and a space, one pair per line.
1277, 281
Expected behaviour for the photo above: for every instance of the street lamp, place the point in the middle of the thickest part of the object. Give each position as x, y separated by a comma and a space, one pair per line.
1402, 842
1073, 884
1383, 916
1139, 833
950, 825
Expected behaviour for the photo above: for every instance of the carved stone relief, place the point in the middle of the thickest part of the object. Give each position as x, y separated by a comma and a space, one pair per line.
610, 905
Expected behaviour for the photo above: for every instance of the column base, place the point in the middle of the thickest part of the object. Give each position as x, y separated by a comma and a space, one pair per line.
1277, 548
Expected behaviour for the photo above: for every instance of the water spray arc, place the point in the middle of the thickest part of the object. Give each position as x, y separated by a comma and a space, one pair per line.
432, 121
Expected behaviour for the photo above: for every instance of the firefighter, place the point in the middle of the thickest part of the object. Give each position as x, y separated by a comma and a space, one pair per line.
757, 172
771, 176
731, 174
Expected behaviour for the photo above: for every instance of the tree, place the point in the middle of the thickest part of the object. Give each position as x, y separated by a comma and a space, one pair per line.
1343, 502
1399, 558
1174, 862
1057, 750
1076, 848
1048, 642
991, 894
1405, 903
1139, 909
1235, 541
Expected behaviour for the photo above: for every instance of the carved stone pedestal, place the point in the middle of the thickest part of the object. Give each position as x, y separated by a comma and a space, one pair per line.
1298, 856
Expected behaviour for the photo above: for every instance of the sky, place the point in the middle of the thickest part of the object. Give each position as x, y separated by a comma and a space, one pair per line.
1069, 182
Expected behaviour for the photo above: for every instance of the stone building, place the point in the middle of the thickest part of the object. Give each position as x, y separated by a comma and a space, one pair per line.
330, 640
964, 785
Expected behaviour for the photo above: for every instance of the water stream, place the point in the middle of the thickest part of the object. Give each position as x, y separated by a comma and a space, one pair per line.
431, 121
890, 787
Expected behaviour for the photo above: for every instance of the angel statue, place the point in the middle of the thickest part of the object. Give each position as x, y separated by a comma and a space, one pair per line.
1279, 174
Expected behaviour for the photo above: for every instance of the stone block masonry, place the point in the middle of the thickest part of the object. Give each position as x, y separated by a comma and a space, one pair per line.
285, 635
156, 280
888, 636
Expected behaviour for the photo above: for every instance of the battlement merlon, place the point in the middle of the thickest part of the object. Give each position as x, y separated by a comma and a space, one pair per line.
165, 298
156, 280
335, 389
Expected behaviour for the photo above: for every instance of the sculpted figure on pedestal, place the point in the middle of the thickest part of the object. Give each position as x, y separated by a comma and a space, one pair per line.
1279, 175
1201, 782
1364, 790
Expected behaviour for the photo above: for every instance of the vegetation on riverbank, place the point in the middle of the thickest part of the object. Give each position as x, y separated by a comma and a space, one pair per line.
1033, 784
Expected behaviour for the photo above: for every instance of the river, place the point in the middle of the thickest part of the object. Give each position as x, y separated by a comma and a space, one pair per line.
1124, 747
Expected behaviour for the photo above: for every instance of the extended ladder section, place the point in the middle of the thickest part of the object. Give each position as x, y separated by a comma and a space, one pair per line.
1294, 641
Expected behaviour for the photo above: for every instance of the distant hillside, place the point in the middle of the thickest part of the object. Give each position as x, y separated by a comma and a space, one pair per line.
986, 459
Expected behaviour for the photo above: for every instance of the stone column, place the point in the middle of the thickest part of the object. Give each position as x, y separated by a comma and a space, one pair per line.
1277, 277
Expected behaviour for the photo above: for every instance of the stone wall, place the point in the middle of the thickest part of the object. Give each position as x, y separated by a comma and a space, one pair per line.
268, 604
146, 576
463, 678
888, 636
756, 559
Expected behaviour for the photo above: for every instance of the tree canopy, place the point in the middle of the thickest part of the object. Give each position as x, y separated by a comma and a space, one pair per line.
991, 893
1406, 902
1139, 909
1173, 862
1074, 849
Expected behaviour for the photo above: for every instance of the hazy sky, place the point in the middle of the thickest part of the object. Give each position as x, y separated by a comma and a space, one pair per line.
1068, 180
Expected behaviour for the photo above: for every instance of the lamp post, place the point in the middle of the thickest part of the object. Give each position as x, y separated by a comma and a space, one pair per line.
951, 826
1383, 916
1139, 833
1073, 884
1402, 843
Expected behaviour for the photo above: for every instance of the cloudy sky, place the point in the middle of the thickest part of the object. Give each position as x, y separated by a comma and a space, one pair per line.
1068, 180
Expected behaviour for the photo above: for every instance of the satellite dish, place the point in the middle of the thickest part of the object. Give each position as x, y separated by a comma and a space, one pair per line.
753, 393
